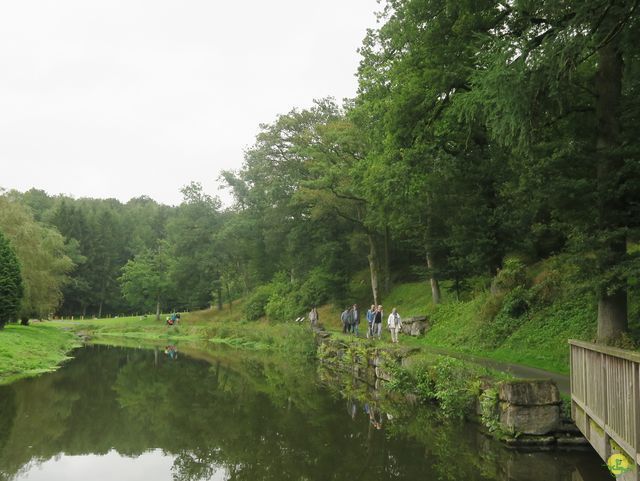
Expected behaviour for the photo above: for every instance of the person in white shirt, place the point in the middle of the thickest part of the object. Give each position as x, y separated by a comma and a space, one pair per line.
395, 324
313, 317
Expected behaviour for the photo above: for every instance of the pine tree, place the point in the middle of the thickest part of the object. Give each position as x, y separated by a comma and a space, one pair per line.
11, 289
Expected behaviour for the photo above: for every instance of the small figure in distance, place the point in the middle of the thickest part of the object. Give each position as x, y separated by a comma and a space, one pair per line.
377, 322
314, 317
344, 317
355, 319
395, 324
370, 315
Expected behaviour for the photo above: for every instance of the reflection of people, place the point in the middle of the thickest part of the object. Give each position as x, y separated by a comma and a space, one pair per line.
395, 324
171, 351
352, 409
371, 411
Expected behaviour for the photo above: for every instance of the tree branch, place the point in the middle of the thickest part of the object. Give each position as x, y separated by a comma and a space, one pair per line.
349, 218
347, 197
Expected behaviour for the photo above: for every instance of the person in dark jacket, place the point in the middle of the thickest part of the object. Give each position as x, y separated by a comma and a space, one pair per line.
377, 322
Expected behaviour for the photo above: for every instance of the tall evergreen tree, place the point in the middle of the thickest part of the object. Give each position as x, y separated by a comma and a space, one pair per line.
11, 289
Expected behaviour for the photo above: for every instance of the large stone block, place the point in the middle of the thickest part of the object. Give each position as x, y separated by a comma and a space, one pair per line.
530, 419
418, 328
415, 326
529, 392
383, 374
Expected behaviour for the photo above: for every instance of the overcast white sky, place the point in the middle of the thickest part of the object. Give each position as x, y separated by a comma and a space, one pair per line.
115, 98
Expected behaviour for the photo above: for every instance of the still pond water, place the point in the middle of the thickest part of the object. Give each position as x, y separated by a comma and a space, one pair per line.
135, 414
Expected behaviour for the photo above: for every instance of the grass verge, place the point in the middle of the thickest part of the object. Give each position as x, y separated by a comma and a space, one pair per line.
27, 351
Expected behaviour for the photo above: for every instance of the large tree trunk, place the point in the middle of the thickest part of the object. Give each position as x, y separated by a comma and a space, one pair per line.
435, 286
612, 315
158, 309
100, 310
612, 307
387, 262
373, 268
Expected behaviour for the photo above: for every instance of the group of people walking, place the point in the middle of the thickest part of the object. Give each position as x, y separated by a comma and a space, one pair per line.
350, 318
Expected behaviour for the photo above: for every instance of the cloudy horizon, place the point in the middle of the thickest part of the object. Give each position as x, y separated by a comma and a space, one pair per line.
121, 99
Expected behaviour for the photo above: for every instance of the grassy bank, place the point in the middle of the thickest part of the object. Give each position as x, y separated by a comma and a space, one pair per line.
41, 347
526, 322
27, 351
532, 333
206, 328
538, 339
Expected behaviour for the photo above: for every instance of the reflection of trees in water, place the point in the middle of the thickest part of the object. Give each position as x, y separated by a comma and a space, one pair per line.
7, 417
39, 421
131, 401
258, 417
193, 466
453, 450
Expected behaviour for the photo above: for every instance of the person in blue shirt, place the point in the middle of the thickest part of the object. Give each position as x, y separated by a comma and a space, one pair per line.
370, 315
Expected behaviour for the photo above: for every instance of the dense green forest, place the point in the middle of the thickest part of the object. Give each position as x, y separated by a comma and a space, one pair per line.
484, 136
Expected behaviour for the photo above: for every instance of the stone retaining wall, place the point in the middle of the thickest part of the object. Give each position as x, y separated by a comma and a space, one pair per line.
528, 411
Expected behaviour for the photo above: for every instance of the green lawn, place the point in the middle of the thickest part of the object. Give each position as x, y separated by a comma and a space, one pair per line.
43, 346
31, 350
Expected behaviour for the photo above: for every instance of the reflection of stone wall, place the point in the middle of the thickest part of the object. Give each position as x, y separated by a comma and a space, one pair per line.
526, 411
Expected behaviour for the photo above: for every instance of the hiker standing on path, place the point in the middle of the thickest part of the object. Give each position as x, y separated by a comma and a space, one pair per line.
395, 324
344, 317
377, 322
313, 317
370, 314
355, 319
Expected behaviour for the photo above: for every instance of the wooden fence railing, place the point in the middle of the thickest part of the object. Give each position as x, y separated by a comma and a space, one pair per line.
605, 400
